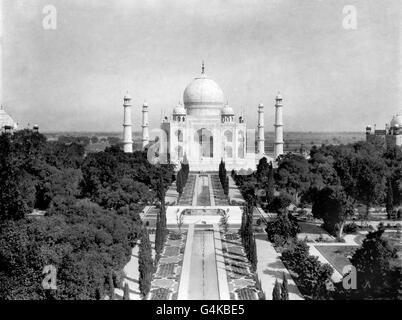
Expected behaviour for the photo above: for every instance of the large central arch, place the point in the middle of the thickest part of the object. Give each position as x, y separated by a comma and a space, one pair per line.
205, 140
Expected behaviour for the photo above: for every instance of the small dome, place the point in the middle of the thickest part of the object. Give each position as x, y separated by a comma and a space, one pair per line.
279, 96
6, 120
127, 97
179, 110
396, 121
227, 111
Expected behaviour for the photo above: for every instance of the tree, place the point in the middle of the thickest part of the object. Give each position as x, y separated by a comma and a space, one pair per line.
224, 221
276, 292
284, 225
179, 182
280, 203
226, 186
111, 286
378, 269
284, 288
247, 228
393, 160
94, 139
262, 171
126, 294
293, 175
159, 238
253, 254
12, 203
180, 220
145, 264
270, 185
222, 173
389, 204
295, 254
370, 181
161, 192
312, 275
334, 206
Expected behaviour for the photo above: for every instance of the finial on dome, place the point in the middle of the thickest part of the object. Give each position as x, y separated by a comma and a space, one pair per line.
203, 67
127, 96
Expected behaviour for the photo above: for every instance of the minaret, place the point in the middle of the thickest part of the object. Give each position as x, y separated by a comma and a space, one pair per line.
127, 132
145, 132
261, 139
1, 52
278, 147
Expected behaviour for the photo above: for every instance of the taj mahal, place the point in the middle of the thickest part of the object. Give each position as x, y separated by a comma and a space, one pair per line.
206, 130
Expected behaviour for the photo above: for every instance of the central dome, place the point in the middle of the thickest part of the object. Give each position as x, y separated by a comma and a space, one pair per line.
203, 97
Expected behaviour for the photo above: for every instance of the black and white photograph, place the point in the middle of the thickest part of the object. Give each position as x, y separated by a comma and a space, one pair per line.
200, 150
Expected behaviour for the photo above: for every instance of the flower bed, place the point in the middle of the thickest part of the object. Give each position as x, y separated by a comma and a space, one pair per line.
241, 280
166, 280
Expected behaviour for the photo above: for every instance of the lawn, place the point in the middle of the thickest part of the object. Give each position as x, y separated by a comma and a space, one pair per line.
337, 256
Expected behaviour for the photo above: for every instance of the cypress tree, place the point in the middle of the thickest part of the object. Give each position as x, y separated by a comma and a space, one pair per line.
158, 237
220, 170
145, 264
269, 191
276, 293
284, 288
226, 189
126, 295
243, 223
253, 254
179, 182
389, 206
161, 196
111, 286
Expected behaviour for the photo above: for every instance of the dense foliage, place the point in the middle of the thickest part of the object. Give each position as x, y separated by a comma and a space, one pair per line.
223, 178
146, 265
92, 220
333, 181
378, 270
247, 236
182, 175
282, 229
311, 274
334, 206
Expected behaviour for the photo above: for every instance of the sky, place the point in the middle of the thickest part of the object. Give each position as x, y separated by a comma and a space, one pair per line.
74, 78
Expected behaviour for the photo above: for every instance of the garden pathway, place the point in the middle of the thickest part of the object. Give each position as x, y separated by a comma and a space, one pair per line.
234, 192
132, 273
270, 268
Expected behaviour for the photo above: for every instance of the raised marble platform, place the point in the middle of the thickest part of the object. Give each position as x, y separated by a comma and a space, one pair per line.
200, 214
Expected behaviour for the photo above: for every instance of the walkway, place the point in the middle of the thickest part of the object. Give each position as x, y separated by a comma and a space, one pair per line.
234, 192
270, 268
171, 195
202, 191
132, 273
219, 196
188, 192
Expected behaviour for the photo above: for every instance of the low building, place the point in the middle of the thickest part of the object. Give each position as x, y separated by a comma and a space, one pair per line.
391, 135
6, 122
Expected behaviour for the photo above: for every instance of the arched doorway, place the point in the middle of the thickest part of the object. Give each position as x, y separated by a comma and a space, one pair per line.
205, 141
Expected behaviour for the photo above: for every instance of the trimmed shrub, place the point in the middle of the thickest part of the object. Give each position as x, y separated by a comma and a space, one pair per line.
126, 295
276, 292
284, 288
